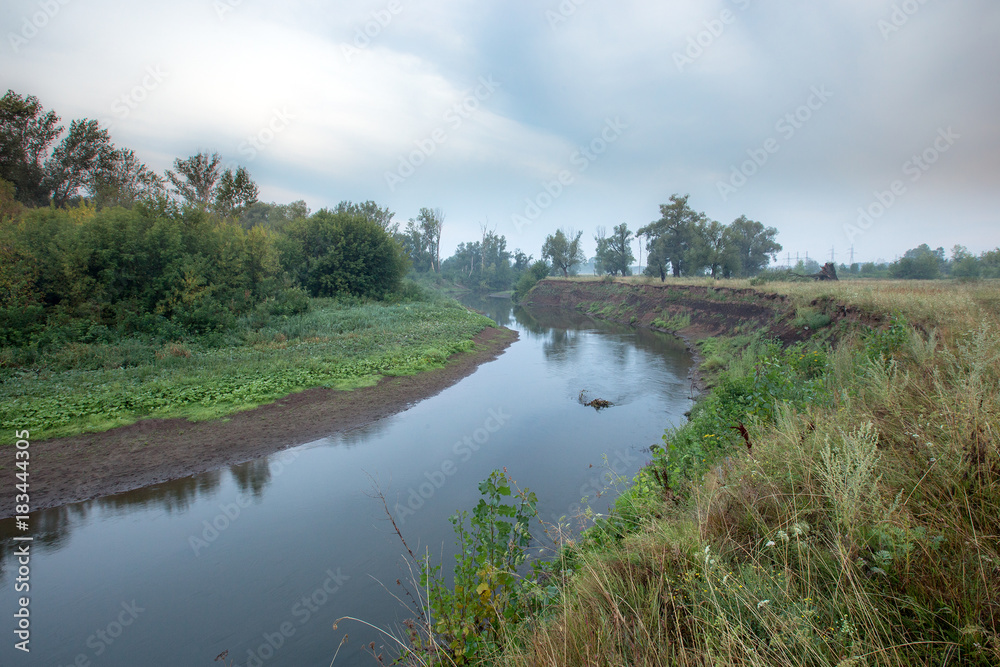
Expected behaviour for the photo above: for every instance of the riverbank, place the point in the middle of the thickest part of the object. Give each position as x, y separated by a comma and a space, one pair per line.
77, 468
833, 498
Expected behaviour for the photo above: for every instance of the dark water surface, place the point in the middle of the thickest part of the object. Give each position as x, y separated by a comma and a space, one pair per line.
259, 559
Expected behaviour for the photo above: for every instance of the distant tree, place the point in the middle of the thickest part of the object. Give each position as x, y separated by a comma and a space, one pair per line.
965, 265
564, 253
195, 179
750, 246
40, 172
614, 253
74, 161
370, 211
121, 180
26, 133
673, 237
920, 263
431, 222
235, 193
989, 263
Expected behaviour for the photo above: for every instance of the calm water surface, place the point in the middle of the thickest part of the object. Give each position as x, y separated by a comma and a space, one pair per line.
259, 559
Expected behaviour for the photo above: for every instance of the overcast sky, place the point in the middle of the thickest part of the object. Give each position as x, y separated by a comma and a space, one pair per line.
531, 116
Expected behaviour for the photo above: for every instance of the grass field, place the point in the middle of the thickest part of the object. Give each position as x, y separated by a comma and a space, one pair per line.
822, 506
92, 387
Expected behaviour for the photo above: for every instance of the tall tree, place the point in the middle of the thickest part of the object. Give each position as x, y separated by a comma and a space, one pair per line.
431, 222
121, 180
672, 237
614, 253
26, 133
750, 246
235, 193
74, 161
565, 254
370, 211
195, 179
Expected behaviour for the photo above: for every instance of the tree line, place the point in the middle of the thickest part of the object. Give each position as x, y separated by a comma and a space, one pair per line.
94, 245
682, 242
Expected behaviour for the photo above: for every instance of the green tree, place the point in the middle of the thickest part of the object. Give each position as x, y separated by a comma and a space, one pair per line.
965, 265
920, 263
26, 134
614, 253
749, 246
672, 238
370, 211
120, 179
339, 253
195, 179
235, 193
565, 254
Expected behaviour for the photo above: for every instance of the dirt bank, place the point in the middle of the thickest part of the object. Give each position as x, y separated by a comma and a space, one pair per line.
692, 312
67, 470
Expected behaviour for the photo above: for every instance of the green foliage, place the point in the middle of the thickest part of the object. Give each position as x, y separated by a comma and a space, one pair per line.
468, 617
107, 380
563, 252
673, 322
536, 272
343, 254
614, 253
882, 344
690, 244
749, 393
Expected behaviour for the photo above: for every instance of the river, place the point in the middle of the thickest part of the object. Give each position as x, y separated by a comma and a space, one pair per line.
260, 558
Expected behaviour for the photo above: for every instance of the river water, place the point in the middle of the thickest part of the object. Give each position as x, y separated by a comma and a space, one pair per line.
260, 558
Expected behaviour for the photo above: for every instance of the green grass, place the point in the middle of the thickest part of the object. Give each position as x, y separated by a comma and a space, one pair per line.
94, 387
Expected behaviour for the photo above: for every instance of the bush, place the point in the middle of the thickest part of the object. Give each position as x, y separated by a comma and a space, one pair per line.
535, 272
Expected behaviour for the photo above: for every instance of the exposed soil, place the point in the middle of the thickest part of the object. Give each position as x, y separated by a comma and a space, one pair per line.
713, 311
67, 470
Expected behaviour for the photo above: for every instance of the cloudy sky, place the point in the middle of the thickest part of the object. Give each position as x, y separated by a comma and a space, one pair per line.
872, 123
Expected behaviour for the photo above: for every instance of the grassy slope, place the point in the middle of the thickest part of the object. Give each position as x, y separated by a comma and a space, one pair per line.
863, 527
97, 387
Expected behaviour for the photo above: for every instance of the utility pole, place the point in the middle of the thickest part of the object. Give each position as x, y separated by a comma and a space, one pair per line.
852, 254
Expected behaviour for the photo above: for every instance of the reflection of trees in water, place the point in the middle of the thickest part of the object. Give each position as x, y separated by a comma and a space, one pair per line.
49, 528
362, 435
52, 527
498, 310
252, 477
176, 495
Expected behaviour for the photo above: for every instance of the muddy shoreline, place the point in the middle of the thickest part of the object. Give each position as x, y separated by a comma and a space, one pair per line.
151, 451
